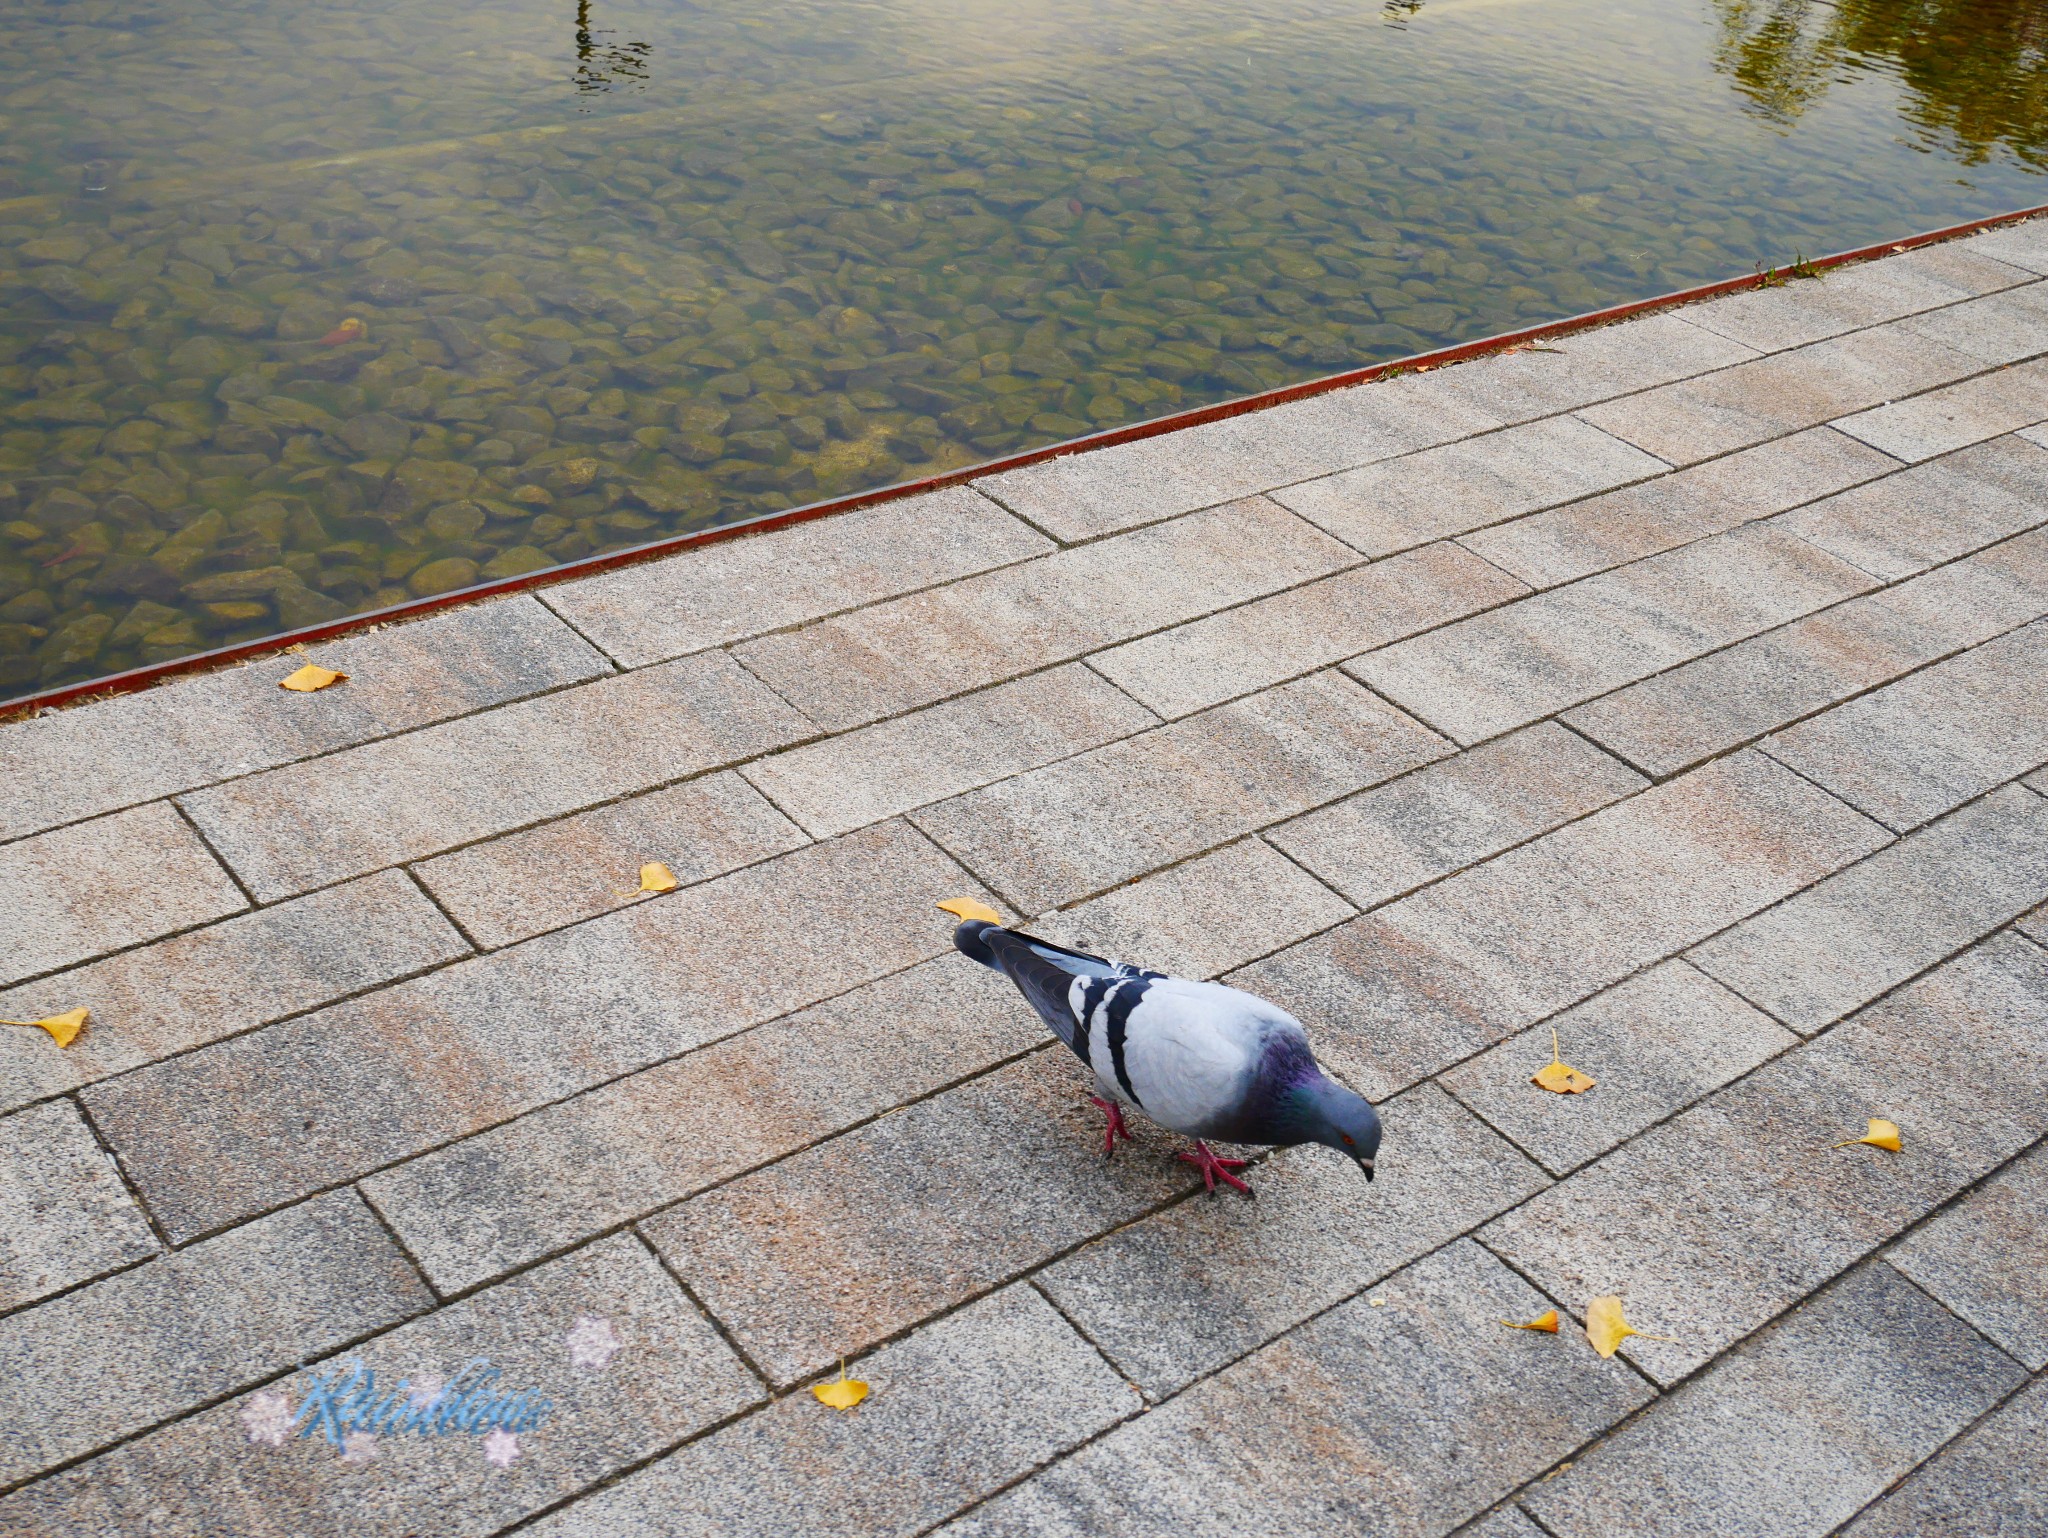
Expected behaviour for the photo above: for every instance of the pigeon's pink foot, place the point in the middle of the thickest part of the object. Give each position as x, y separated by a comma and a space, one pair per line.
1214, 1168
1116, 1128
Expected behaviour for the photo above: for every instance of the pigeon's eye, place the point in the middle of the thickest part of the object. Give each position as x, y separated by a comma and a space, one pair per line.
1347, 1141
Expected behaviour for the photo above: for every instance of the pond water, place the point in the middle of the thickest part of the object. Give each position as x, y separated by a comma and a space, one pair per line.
308, 309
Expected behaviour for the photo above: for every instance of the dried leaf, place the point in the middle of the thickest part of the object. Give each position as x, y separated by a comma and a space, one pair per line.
1606, 1329
312, 677
656, 877
1559, 1078
842, 1394
965, 908
350, 330
64, 1027
1882, 1134
1545, 1321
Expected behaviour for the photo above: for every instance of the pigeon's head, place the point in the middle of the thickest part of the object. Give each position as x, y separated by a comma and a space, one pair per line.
1333, 1115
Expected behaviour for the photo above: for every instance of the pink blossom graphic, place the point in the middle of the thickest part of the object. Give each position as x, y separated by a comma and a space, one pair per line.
593, 1342
268, 1419
358, 1447
421, 1393
501, 1447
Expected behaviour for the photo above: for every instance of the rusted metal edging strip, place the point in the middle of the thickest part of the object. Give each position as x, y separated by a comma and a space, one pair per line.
570, 571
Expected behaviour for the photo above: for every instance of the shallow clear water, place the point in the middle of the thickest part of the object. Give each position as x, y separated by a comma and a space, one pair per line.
308, 309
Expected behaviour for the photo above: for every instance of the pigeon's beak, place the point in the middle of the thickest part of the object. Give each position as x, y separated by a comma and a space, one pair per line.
1366, 1165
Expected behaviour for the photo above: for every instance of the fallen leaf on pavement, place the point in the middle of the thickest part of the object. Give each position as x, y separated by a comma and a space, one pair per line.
965, 908
1559, 1078
1545, 1321
844, 1393
656, 877
64, 1027
1606, 1329
312, 677
1882, 1134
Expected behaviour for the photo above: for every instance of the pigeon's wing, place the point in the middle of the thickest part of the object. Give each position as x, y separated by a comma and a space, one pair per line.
1060, 984
1191, 1053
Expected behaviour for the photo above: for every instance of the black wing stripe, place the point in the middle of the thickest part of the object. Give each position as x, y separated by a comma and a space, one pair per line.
1120, 1006
1091, 1000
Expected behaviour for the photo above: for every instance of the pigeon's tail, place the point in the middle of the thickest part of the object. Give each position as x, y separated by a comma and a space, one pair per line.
968, 941
1043, 972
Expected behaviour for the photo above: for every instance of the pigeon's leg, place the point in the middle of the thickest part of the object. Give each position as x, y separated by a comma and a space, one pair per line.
1215, 1168
1116, 1128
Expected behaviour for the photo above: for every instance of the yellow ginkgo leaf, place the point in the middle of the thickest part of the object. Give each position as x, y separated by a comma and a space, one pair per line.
312, 677
965, 908
64, 1028
1606, 1329
656, 877
1882, 1134
842, 1394
1545, 1321
1559, 1078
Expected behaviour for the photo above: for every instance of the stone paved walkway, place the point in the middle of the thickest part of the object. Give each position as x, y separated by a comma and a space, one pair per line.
1682, 687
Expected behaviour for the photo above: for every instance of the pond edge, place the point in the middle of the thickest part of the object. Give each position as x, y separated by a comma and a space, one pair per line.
569, 571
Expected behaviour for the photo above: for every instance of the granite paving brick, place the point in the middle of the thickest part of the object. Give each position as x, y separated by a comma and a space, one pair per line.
1840, 943
749, 586
1910, 751
1712, 1224
1551, 548
1720, 701
1654, 1043
1696, 419
308, 825
1510, 666
1412, 987
843, 1245
862, 776
1221, 656
1193, 1288
1399, 1420
1082, 496
86, 1369
2023, 245
1205, 917
1795, 1431
2035, 925
505, 1197
243, 1125
513, 888
668, 1375
1508, 1522
1996, 329
1076, 827
1984, 1257
1931, 513
116, 881
196, 987
1396, 504
65, 1217
913, 651
1592, 365
69, 764
1991, 1482
1852, 297
1955, 416
1378, 844
958, 1410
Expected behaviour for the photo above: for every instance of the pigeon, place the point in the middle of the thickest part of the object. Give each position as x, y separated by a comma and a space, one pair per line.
1198, 1058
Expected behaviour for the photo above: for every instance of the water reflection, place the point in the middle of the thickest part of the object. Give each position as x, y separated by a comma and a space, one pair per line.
1976, 70
603, 65
380, 301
